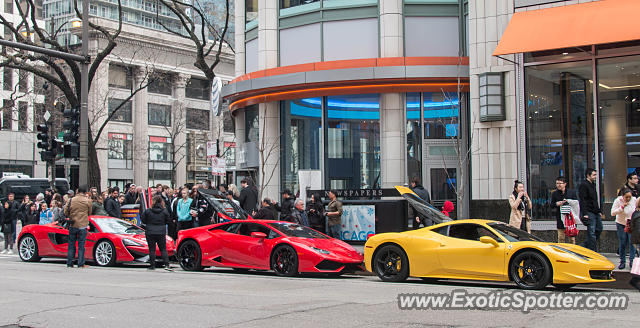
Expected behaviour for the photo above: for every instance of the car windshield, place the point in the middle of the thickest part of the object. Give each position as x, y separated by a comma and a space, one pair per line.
296, 230
118, 227
223, 205
512, 234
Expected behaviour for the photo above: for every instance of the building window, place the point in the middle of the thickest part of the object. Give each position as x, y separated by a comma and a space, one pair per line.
197, 119
159, 114
123, 114
23, 81
560, 129
120, 77
162, 177
7, 110
250, 10
301, 126
251, 124
228, 123
441, 115
38, 112
23, 118
8, 6
353, 141
198, 89
161, 84
7, 79
120, 146
414, 136
294, 3
160, 149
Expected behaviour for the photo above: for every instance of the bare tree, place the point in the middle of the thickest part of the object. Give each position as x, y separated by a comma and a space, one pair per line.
63, 74
196, 26
176, 128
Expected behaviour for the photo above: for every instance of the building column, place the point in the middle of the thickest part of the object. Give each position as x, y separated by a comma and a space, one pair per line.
180, 83
269, 149
240, 39
140, 132
391, 30
392, 139
269, 123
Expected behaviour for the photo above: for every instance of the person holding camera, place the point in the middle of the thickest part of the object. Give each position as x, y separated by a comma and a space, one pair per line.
78, 211
558, 199
520, 203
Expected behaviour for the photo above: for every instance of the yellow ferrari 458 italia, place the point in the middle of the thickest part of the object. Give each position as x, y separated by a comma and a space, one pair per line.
480, 250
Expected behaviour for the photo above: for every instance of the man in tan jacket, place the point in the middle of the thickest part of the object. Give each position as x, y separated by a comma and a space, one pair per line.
77, 211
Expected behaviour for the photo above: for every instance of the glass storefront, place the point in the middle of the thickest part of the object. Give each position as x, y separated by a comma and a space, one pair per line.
561, 123
301, 125
414, 136
353, 141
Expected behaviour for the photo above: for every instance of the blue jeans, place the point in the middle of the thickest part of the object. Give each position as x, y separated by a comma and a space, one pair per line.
593, 232
625, 240
334, 231
80, 235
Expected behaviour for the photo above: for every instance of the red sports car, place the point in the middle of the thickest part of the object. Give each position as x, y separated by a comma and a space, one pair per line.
109, 241
284, 247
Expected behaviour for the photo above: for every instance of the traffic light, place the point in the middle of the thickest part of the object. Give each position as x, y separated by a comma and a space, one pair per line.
71, 125
47, 153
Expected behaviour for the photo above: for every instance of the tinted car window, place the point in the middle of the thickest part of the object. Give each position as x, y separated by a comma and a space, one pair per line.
247, 228
442, 230
296, 230
470, 231
512, 234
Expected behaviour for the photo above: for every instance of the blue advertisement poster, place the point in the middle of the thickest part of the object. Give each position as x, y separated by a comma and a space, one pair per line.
358, 222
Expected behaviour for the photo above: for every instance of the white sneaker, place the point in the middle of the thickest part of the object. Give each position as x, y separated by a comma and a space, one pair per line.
10, 252
4, 251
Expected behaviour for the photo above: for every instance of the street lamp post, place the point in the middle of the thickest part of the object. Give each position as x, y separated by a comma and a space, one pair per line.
84, 101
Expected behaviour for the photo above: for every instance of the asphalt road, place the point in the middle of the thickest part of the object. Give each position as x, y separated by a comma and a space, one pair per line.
47, 294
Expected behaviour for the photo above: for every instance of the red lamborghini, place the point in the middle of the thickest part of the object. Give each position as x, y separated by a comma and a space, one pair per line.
109, 240
284, 247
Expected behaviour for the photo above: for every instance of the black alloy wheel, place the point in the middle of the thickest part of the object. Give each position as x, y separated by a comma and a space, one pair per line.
391, 264
284, 261
530, 270
190, 256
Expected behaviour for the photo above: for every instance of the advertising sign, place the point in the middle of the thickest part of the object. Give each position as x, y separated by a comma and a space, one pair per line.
131, 214
358, 222
212, 149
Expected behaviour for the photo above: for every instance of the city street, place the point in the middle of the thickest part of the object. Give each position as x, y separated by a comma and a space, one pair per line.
47, 294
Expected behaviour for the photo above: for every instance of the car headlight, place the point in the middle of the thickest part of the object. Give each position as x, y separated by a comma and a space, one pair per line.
580, 256
131, 242
320, 250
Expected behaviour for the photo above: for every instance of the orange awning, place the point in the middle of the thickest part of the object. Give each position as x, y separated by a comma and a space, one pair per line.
585, 24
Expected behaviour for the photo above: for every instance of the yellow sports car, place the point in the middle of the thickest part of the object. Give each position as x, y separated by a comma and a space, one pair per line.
480, 250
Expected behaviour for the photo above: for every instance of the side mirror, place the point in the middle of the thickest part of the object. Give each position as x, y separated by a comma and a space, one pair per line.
489, 240
259, 235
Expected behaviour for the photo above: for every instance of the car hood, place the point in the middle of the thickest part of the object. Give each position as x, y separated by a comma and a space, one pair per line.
335, 246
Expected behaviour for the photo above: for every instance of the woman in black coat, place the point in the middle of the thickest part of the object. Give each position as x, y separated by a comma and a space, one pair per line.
32, 216
315, 212
156, 219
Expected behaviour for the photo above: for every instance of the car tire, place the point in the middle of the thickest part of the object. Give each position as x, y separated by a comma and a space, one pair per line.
104, 254
530, 270
284, 261
391, 264
563, 287
28, 249
190, 256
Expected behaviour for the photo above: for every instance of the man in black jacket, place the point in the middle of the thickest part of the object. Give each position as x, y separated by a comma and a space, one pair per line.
632, 184
559, 198
266, 212
112, 205
131, 196
286, 209
424, 195
248, 197
590, 213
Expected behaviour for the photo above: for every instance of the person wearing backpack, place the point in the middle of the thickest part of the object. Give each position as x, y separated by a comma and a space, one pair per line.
558, 199
623, 208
